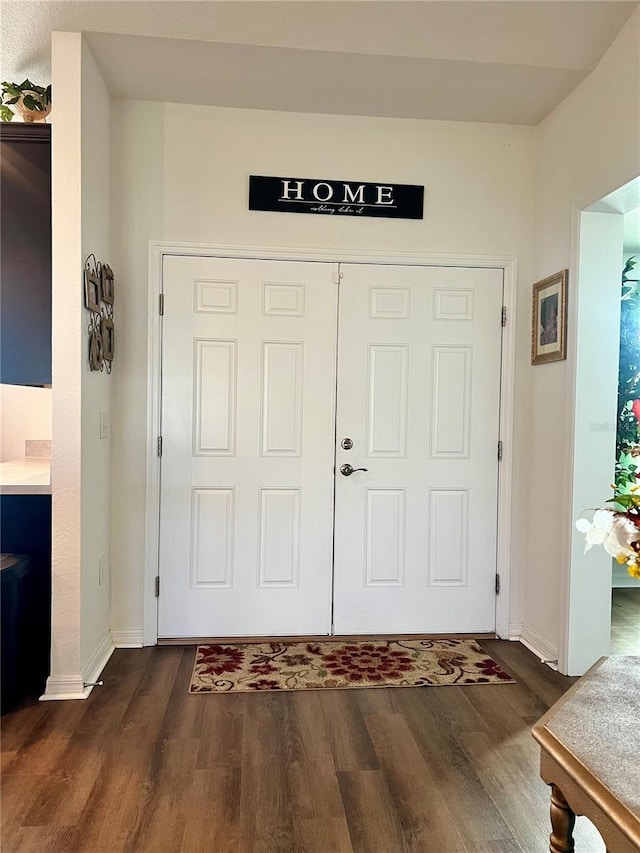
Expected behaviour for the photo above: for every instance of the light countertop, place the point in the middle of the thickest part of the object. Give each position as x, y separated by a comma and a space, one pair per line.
30, 476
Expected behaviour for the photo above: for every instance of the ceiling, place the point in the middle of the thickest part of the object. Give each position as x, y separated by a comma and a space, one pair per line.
508, 61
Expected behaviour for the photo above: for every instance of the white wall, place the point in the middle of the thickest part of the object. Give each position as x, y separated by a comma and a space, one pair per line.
80, 485
67, 320
598, 321
96, 386
180, 173
25, 414
587, 147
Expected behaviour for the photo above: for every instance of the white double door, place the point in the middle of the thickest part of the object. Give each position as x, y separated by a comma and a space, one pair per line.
275, 375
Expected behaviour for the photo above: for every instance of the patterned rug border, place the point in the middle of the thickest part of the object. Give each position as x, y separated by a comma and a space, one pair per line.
339, 672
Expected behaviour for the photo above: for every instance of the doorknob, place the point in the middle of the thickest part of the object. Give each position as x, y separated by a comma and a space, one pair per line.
347, 470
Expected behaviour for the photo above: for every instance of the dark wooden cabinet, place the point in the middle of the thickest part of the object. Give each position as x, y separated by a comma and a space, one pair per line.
25, 254
25, 528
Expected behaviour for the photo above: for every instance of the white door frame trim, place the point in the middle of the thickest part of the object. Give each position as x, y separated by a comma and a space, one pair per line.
157, 251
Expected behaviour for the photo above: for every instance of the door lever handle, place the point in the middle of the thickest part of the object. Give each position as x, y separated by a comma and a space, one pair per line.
347, 470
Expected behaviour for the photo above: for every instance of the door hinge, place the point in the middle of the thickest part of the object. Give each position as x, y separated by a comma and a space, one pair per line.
337, 277
161, 305
497, 584
500, 450
159, 445
504, 315
157, 586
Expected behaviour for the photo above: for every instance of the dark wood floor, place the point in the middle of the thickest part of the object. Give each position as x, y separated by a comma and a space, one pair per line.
625, 621
143, 766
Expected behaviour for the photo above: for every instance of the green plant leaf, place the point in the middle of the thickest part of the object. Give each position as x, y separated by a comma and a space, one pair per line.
35, 97
30, 103
5, 113
626, 501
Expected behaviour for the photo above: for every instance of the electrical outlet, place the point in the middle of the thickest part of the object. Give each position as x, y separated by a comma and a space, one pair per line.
104, 424
101, 563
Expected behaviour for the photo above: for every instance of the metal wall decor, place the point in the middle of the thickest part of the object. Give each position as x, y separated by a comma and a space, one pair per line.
99, 297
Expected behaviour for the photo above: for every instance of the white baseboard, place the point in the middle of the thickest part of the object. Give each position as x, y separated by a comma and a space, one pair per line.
73, 686
535, 642
515, 630
98, 660
64, 687
128, 639
541, 647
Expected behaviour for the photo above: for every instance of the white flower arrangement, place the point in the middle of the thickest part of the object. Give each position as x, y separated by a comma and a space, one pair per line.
617, 529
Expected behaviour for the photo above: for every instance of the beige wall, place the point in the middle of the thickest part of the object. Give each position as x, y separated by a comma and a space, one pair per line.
65, 677
96, 386
587, 148
180, 173
79, 475
25, 414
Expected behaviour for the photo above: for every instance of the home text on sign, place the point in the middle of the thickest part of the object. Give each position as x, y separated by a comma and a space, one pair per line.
341, 198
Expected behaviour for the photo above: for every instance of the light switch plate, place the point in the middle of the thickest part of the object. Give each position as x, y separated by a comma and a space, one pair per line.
104, 424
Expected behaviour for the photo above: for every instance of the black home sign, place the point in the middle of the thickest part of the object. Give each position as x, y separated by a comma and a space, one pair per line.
337, 198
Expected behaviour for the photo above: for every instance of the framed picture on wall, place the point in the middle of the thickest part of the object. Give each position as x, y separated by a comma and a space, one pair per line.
108, 339
107, 284
549, 319
92, 290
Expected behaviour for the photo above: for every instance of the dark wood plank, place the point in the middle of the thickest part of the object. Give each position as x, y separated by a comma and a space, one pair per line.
437, 737
311, 763
625, 621
351, 745
213, 811
19, 794
320, 835
373, 822
265, 796
47, 740
17, 725
183, 717
122, 799
143, 766
33, 839
500, 776
547, 684
424, 816
222, 730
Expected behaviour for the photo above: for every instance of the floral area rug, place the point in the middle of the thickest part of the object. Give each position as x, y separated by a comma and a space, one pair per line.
338, 664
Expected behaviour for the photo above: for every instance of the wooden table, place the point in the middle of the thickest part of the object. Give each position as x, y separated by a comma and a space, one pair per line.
590, 755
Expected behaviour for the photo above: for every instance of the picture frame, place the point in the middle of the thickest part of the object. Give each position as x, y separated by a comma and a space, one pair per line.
549, 319
92, 290
107, 284
96, 357
108, 339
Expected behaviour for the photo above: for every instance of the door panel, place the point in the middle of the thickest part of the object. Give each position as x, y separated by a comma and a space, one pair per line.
418, 393
248, 419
